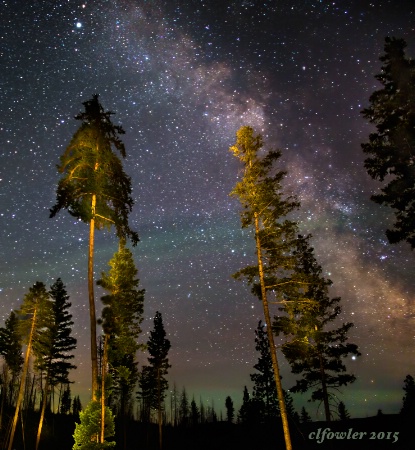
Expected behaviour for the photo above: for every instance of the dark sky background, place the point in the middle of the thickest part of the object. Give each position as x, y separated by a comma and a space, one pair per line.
182, 77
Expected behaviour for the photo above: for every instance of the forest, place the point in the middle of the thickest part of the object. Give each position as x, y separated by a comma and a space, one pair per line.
132, 407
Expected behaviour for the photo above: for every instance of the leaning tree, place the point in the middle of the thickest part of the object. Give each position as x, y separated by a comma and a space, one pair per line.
95, 189
265, 210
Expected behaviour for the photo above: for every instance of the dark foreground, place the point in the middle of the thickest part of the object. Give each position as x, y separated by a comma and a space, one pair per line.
380, 433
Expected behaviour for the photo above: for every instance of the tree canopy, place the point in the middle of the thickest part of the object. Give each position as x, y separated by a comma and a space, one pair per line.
391, 148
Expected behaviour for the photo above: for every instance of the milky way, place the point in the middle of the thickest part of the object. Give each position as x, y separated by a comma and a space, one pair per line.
182, 77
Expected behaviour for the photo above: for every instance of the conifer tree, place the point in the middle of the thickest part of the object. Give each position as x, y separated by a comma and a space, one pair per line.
184, 410
194, 413
153, 382
264, 389
313, 347
66, 401
408, 406
11, 351
230, 410
265, 210
95, 189
121, 318
53, 351
342, 411
304, 416
35, 316
391, 148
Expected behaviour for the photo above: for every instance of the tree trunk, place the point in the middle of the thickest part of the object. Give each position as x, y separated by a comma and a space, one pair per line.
103, 373
92, 315
4, 392
22, 381
273, 349
42, 413
159, 409
324, 389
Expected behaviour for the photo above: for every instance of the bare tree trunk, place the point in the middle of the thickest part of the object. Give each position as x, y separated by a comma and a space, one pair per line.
92, 315
324, 388
159, 409
4, 392
103, 373
272, 347
22, 381
42, 413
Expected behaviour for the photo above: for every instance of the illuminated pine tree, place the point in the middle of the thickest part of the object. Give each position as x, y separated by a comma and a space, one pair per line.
315, 348
95, 189
265, 210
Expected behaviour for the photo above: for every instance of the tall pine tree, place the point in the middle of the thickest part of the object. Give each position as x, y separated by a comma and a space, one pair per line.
313, 347
153, 382
391, 148
265, 210
95, 189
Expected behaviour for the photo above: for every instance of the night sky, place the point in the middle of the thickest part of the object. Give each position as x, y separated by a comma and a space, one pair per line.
183, 77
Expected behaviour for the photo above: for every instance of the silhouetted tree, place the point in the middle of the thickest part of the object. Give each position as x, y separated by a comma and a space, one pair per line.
312, 348
11, 351
304, 416
184, 409
194, 413
342, 411
230, 410
392, 146
76, 406
264, 389
66, 401
408, 406
152, 381
96, 190
264, 210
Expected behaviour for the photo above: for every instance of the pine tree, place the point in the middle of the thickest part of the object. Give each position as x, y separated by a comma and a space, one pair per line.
35, 316
11, 350
265, 208
392, 146
304, 416
230, 410
264, 389
76, 406
184, 410
408, 407
121, 318
96, 190
194, 413
342, 411
312, 348
53, 351
152, 380
66, 401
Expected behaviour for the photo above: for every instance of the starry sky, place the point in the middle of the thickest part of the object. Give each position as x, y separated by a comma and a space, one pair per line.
182, 77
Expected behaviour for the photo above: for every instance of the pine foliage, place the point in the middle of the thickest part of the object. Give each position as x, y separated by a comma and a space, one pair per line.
92, 167
391, 148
